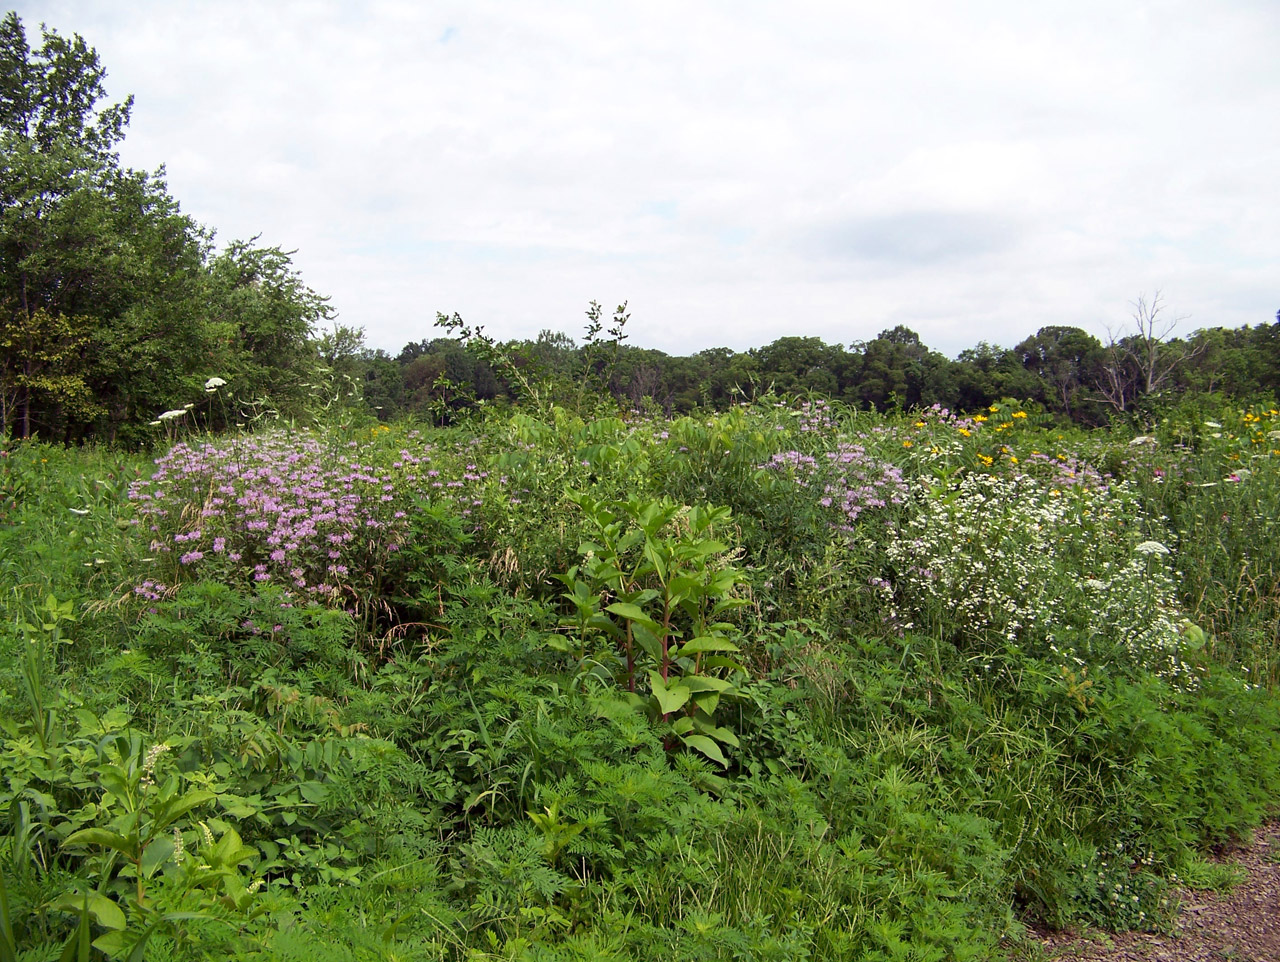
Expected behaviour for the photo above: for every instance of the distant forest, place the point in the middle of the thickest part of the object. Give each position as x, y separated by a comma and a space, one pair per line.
117, 308
1066, 370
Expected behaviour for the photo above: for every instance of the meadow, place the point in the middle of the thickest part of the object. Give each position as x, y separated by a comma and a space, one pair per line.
791, 681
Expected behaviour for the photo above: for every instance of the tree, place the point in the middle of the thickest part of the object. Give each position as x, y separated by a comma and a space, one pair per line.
1062, 359
1142, 362
112, 305
898, 369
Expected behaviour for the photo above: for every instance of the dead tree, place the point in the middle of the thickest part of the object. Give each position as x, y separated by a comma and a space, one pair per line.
1141, 362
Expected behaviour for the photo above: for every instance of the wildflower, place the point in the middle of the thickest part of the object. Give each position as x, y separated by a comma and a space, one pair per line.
213, 384
149, 762
170, 415
1151, 548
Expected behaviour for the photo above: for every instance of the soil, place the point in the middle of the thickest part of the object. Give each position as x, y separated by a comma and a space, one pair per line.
1241, 925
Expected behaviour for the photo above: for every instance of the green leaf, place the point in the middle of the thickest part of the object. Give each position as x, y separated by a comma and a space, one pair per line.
707, 643
705, 683
632, 613
720, 661
655, 558
314, 792
714, 731
180, 806
708, 747
648, 641
104, 911
155, 855
669, 700
708, 701
100, 836
237, 806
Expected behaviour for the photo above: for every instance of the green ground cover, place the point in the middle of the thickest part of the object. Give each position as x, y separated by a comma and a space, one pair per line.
786, 682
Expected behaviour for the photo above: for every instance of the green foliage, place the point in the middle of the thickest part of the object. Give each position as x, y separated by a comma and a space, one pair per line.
655, 584
908, 681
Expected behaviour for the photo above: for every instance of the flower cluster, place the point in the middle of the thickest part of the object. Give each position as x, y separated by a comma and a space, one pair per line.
850, 480
815, 416
1012, 558
288, 510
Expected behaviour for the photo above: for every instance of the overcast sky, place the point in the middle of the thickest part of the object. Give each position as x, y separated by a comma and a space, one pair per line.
738, 171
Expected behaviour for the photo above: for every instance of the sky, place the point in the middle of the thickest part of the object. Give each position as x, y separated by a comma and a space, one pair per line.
735, 171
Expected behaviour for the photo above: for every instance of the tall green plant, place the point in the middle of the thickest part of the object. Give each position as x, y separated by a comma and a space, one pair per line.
657, 582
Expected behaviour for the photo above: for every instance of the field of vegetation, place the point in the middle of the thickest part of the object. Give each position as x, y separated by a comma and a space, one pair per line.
551, 652
787, 681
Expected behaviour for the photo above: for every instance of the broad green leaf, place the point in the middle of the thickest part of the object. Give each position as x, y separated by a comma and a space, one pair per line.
104, 911
669, 699
715, 731
705, 683
720, 661
707, 643
180, 806
708, 747
655, 558
100, 836
647, 641
230, 851
708, 701
155, 855
633, 613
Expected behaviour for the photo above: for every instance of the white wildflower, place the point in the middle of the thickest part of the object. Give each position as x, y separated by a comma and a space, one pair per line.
213, 384
175, 413
1151, 547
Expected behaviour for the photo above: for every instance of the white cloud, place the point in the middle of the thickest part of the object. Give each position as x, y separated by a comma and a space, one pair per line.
738, 171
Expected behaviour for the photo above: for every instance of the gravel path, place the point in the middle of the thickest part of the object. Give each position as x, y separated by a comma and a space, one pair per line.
1242, 925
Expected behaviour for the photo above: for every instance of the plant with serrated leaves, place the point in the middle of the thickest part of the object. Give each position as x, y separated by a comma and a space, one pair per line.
657, 583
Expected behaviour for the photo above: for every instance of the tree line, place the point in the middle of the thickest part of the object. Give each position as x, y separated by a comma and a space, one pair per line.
117, 309
1066, 370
